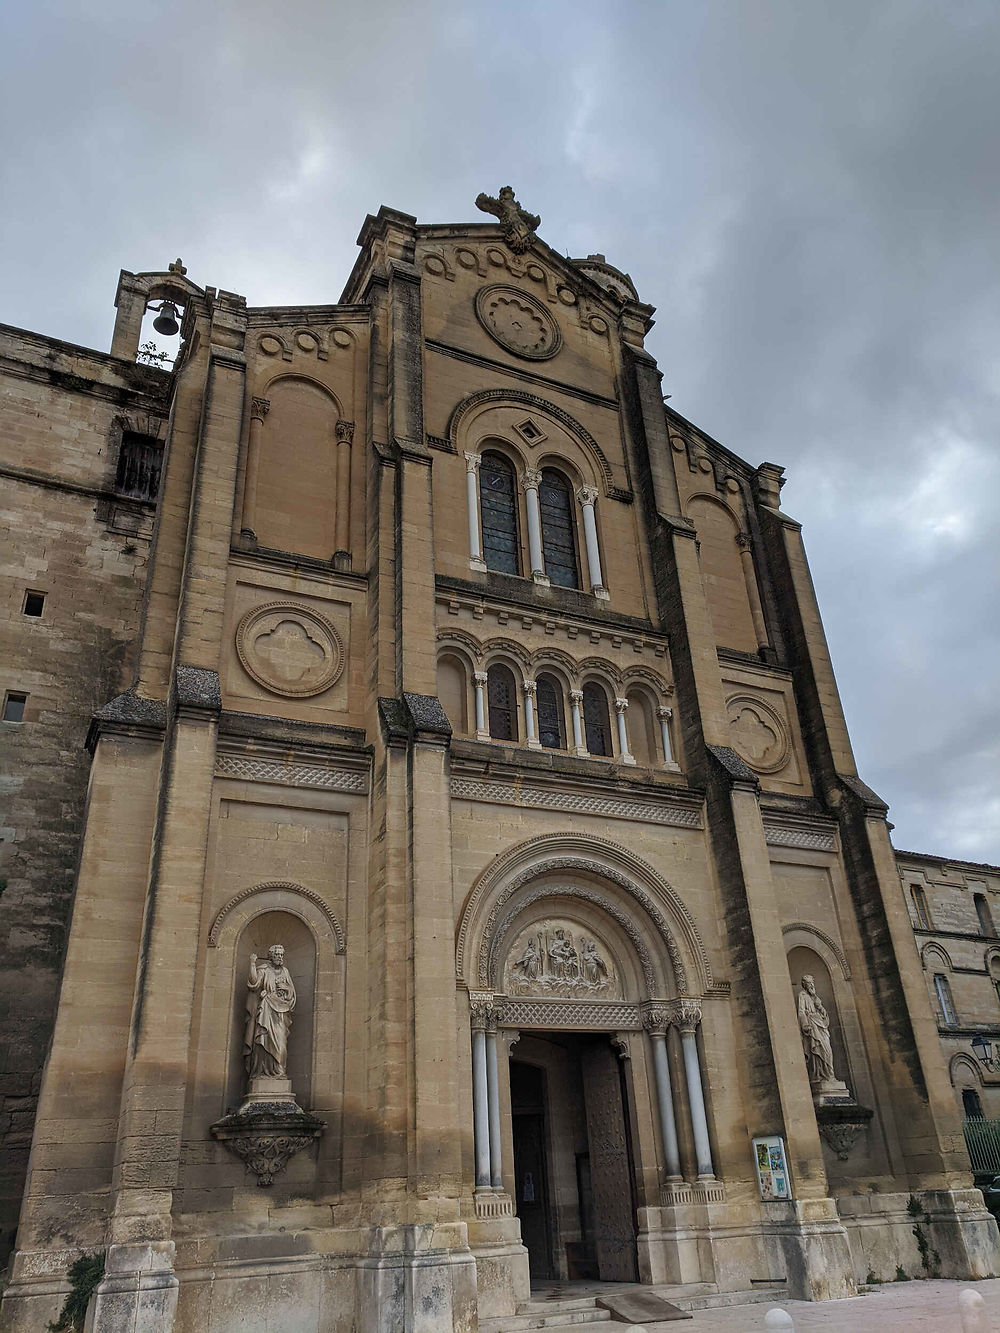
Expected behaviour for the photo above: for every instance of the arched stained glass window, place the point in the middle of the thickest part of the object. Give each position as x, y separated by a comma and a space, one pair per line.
596, 719
501, 701
555, 501
550, 714
498, 510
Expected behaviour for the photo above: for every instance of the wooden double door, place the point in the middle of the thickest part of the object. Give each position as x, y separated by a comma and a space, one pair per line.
573, 1166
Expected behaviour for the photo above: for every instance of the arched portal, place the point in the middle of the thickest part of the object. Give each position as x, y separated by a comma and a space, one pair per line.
585, 974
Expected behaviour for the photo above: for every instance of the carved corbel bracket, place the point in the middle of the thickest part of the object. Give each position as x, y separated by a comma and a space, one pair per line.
267, 1135
841, 1125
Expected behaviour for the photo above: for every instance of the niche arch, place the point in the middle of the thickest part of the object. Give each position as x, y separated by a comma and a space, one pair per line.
933, 957
614, 878
269, 909
718, 530
296, 499
963, 1073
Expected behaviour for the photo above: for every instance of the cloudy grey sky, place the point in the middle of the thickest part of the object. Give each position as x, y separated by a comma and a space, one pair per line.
808, 191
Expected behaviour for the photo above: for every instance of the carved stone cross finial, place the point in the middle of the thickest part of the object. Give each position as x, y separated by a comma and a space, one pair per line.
177, 267
518, 224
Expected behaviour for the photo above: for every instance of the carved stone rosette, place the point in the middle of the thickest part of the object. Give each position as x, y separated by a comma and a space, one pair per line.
266, 1135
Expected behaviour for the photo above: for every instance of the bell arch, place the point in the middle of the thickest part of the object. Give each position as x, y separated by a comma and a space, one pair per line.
601, 873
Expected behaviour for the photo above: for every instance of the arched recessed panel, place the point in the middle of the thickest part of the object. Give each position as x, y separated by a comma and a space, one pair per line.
453, 692
596, 719
296, 939
642, 729
804, 962
722, 574
296, 502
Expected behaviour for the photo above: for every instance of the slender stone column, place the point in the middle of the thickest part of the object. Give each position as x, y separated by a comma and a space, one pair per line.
587, 495
472, 462
530, 730
664, 715
623, 751
479, 680
685, 1015
493, 1100
259, 408
576, 706
654, 1022
481, 1005
530, 482
753, 591
345, 441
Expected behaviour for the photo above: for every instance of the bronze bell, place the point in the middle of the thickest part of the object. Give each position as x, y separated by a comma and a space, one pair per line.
166, 321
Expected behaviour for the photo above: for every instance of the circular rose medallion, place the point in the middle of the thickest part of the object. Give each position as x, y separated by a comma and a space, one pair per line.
757, 733
289, 649
518, 322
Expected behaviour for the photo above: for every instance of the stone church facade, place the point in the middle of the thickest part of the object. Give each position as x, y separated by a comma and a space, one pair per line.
417, 636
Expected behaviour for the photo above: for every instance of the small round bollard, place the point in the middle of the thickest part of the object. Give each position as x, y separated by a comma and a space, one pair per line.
972, 1309
779, 1319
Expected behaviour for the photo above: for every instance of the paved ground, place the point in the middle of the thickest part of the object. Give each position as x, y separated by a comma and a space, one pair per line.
897, 1307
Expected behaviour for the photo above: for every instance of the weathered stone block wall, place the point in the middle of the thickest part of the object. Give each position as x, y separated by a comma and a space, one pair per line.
61, 418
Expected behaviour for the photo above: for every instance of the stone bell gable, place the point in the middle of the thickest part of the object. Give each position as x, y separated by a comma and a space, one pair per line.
471, 879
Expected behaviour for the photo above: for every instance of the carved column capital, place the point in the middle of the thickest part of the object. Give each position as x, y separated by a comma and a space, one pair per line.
345, 432
655, 1019
482, 1011
587, 495
621, 705
576, 697
259, 408
480, 678
664, 713
684, 1013
529, 687
531, 479
743, 541
472, 462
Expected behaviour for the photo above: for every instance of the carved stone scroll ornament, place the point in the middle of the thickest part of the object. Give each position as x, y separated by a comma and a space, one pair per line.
267, 1135
841, 1126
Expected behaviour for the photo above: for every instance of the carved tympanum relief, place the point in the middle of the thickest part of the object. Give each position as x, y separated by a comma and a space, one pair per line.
758, 734
556, 958
518, 322
289, 649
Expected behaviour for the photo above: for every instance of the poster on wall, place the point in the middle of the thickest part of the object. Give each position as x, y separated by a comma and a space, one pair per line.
772, 1167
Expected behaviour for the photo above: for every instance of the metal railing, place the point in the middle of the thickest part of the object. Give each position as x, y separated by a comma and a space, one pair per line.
982, 1138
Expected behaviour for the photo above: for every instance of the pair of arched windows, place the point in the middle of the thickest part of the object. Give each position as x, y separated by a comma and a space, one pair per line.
550, 711
499, 521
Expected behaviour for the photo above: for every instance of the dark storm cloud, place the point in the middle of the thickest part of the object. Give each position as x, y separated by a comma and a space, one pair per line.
808, 192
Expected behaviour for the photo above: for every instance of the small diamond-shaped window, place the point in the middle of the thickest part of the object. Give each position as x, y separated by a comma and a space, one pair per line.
529, 431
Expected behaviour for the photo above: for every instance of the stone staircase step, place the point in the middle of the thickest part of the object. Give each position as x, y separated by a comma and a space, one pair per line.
554, 1316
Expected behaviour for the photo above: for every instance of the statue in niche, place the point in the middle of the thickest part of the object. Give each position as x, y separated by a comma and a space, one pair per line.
814, 1023
527, 966
563, 963
593, 968
269, 1015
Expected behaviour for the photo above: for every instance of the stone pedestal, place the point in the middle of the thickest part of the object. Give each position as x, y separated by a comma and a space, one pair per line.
269, 1128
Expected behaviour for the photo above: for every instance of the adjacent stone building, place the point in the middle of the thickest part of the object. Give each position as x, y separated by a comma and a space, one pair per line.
414, 634
954, 907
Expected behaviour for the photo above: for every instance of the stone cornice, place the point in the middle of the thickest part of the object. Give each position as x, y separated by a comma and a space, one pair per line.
680, 809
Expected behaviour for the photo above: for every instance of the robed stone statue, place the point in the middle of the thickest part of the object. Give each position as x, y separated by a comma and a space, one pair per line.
269, 1015
814, 1022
